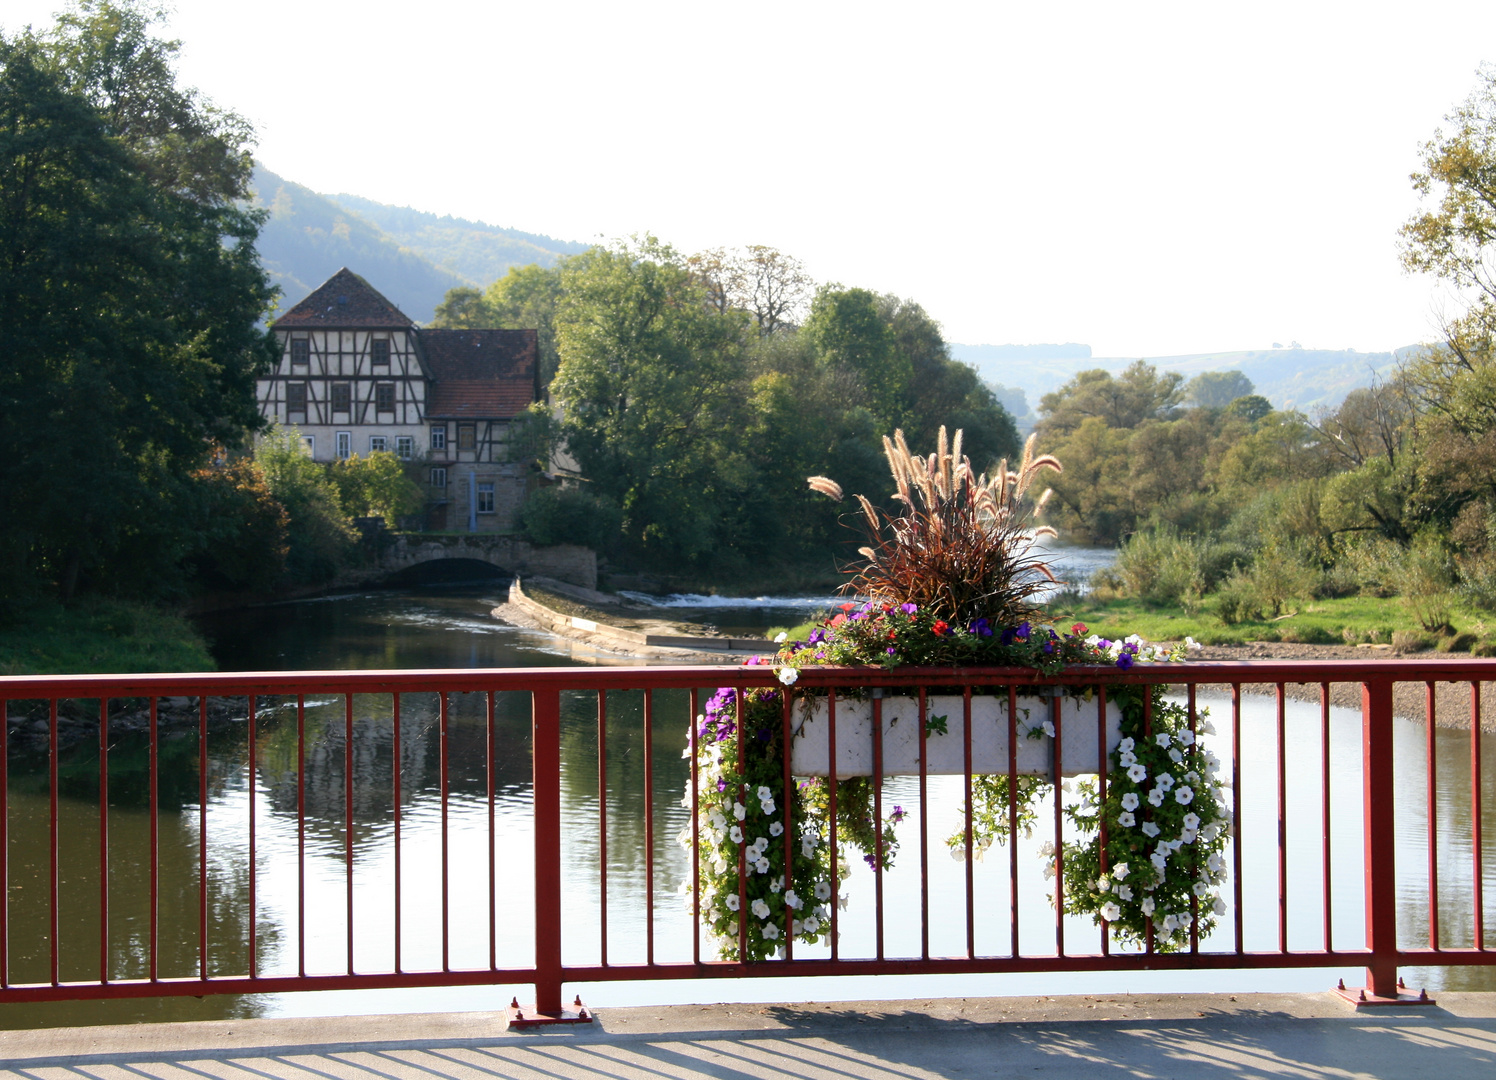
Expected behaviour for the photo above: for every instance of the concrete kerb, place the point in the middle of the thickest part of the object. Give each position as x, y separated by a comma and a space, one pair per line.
572, 625
1207, 1035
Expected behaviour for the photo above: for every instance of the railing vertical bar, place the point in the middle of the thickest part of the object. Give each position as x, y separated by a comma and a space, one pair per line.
103, 840
831, 807
1379, 820
1282, 734
1102, 765
878, 823
1479, 927
971, 918
301, 836
155, 812
546, 785
444, 709
924, 833
602, 820
1147, 734
1193, 713
490, 750
649, 896
1059, 826
789, 828
1236, 815
739, 717
202, 836
1431, 782
348, 823
1326, 870
4, 843
1013, 817
396, 795
53, 871
694, 737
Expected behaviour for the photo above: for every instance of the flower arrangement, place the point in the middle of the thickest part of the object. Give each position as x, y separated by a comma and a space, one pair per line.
952, 580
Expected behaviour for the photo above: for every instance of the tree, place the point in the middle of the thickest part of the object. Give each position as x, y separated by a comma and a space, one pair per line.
525, 298
319, 538
762, 281
849, 333
651, 384
1139, 393
131, 292
1217, 389
376, 486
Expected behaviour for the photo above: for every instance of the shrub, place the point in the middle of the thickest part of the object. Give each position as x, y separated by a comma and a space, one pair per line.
569, 515
1484, 647
1411, 641
1478, 580
1280, 575
1237, 600
1457, 642
1307, 635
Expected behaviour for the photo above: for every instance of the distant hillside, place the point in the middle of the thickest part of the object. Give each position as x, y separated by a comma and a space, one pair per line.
980, 354
1303, 379
470, 249
410, 256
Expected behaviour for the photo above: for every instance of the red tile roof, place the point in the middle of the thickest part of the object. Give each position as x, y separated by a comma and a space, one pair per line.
345, 300
479, 374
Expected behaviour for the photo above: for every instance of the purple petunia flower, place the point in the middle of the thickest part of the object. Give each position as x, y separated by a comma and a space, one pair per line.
1124, 661
908, 609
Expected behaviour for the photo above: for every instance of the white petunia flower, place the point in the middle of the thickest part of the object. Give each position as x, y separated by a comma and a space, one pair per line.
732, 929
1156, 796
780, 638
1124, 892
776, 885
788, 676
1218, 906
1046, 849
1137, 774
1120, 871
812, 925
739, 811
808, 845
1048, 727
1110, 912
1130, 801
735, 834
764, 793
760, 845
762, 866
1164, 780
1147, 905
1176, 755
1126, 819
770, 931
1126, 759
1150, 829
1188, 836
1126, 745
823, 891
1184, 796
1216, 864
760, 909
1162, 738
1191, 821
1103, 885
1191, 644
776, 829
731, 899
1201, 889
791, 900
767, 806
1207, 728
1187, 737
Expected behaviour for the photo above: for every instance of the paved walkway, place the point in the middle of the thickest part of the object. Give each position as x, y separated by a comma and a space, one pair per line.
1132, 1036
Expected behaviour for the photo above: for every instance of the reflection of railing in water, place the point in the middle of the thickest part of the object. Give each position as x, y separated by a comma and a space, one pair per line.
345, 762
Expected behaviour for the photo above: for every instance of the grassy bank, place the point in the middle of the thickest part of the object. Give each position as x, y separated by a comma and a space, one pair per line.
99, 636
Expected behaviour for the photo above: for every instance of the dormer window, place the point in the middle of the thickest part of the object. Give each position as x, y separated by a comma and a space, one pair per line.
379, 352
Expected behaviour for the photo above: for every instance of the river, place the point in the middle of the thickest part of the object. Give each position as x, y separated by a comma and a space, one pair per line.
450, 627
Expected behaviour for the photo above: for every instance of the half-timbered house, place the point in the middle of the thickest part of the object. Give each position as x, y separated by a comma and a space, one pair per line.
356, 375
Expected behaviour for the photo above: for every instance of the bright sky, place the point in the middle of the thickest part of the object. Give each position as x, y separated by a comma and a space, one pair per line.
1148, 178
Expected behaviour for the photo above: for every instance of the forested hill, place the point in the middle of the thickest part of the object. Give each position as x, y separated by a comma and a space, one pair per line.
1292, 378
409, 256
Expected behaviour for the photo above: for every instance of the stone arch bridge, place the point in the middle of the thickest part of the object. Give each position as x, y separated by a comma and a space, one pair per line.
571, 563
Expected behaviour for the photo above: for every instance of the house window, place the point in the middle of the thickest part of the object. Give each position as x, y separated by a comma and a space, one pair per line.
439, 437
295, 399
384, 397
342, 397
378, 443
379, 352
438, 478
467, 437
345, 445
485, 498
405, 447
309, 444
301, 351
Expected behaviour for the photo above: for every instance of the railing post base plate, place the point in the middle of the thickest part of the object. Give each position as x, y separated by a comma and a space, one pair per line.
1363, 998
522, 1017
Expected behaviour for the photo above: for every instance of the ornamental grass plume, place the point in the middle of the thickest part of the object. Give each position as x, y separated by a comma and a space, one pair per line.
961, 546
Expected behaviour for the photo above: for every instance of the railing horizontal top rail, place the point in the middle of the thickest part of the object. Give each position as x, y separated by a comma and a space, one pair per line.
1412, 669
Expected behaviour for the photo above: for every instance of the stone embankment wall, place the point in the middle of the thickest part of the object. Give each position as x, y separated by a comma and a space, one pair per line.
575, 626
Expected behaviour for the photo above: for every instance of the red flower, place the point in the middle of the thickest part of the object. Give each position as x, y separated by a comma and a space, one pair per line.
940, 627
838, 620
1078, 629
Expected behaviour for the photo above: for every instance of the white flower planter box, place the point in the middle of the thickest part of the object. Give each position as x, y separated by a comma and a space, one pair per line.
946, 754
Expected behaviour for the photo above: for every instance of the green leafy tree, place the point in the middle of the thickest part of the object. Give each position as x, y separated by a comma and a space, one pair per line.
850, 335
319, 538
1217, 389
651, 384
376, 486
132, 292
1139, 393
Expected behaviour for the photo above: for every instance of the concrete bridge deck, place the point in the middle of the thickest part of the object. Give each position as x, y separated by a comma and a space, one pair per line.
1134, 1036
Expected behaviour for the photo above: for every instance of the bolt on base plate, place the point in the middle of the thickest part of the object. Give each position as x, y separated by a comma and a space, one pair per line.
527, 1016
1363, 998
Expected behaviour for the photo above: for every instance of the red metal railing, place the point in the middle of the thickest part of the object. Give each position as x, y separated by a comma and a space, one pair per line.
40, 747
